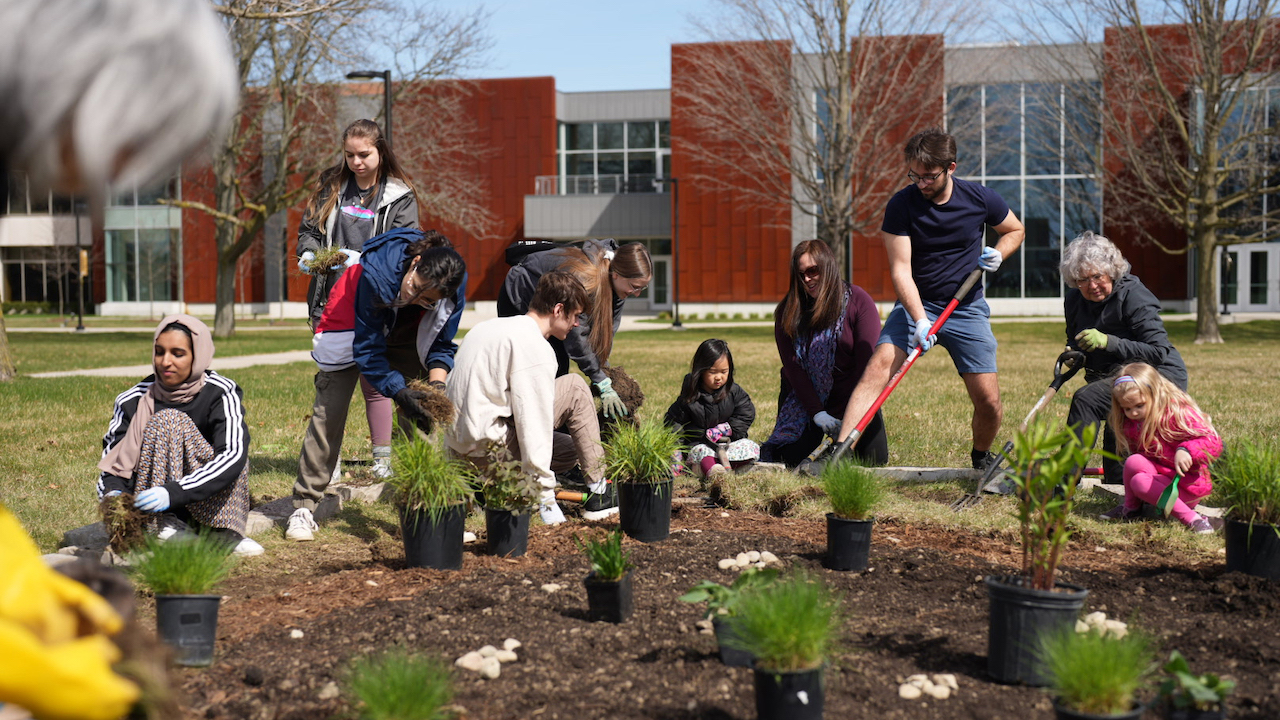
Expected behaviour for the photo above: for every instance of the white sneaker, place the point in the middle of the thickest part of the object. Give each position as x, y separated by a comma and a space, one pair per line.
171, 526
247, 547
381, 468
301, 526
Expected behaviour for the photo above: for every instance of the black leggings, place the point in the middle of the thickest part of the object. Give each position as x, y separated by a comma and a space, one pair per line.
872, 448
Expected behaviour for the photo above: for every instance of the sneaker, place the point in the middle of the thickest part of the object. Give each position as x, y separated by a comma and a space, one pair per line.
1200, 526
598, 506
301, 526
1121, 513
982, 459
171, 527
381, 468
247, 547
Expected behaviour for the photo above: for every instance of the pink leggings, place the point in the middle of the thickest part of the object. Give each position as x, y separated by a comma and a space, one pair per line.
1142, 484
379, 409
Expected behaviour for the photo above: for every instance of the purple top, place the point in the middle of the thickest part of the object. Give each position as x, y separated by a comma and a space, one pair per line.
859, 331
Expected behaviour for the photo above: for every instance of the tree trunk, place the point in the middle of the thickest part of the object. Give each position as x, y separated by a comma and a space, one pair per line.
224, 320
1207, 290
7, 369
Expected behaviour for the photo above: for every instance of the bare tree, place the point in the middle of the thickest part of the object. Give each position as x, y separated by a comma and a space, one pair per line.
289, 53
7, 369
1181, 141
811, 101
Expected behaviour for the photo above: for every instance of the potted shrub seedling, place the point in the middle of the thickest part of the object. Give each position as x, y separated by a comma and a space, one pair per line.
1046, 467
432, 492
722, 602
182, 572
1096, 674
400, 685
790, 626
609, 595
510, 494
1247, 478
1187, 696
638, 459
853, 491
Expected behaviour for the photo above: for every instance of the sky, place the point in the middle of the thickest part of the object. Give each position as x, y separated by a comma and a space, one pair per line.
587, 45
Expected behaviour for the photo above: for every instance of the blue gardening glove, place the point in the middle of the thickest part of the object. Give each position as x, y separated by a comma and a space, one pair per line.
1092, 339
922, 336
304, 261
610, 402
827, 422
991, 259
152, 500
353, 257
719, 432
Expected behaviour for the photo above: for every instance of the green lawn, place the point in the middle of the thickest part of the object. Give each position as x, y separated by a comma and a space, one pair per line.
51, 430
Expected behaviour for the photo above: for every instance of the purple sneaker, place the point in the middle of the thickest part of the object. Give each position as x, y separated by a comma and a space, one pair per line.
1200, 526
1121, 513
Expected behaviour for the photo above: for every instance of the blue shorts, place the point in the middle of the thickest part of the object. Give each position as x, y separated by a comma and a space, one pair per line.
966, 334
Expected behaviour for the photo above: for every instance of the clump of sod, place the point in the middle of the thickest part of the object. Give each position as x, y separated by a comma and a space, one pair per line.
124, 523
183, 565
436, 404
325, 259
400, 685
632, 398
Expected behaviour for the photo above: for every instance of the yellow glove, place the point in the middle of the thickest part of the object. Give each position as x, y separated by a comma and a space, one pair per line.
64, 681
53, 607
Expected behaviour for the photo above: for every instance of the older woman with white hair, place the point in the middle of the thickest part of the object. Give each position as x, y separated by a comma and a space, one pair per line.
1115, 320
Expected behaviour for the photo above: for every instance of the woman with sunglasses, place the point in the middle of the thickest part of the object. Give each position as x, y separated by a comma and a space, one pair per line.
1115, 320
826, 330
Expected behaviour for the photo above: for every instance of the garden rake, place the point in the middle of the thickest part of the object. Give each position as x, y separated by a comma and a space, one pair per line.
832, 454
1068, 364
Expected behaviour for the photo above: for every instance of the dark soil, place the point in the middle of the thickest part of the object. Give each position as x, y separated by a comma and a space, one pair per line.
921, 608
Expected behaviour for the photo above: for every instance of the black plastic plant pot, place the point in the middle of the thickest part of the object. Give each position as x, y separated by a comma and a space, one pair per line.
1169, 713
608, 600
1062, 712
789, 695
434, 543
1019, 617
189, 625
726, 633
848, 543
644, 510
1253, 551
508, 532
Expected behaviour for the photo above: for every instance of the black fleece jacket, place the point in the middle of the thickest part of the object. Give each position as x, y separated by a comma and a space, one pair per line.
707, 411
1130, 317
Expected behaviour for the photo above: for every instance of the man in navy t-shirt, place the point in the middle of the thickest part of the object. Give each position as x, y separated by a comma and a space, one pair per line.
933, 230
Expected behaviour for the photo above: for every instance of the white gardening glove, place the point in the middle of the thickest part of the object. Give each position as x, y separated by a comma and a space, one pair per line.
353, 257
922, 336
304, 261
991, 259
828, 423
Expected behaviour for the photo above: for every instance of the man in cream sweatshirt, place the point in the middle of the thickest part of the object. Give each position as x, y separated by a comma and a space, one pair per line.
505, 387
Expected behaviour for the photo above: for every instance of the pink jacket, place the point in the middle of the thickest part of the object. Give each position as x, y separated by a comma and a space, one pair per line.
1204, 447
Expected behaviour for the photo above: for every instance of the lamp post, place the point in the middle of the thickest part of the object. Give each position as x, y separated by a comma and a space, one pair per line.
675, 244
82, 265
386, 96
1226, 273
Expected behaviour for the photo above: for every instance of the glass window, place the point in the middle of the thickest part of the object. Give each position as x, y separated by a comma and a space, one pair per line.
40, 203
640, 135
580, 164
154, 265
1041, 250
1043, 130
18, 194
1003, 129
1230, 286
664, 133
964, 123
1082, 126
163, 190
1007, 282
641, 164
610, 163
1258, 277
580, 136
122, 282
609, 136
1081, 203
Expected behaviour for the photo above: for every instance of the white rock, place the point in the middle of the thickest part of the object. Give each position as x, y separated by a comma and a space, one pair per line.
491, 668
488, 651
760, 564
1095, 619
295, 633
941, 692
947, 680
1116, 629
768, 557
742, 559
506, 656
329, 691
468, 536
907, 691
727, 563
917, 680
371, 583
1081, 627
753, 555
551, 587
471, 661
511, 644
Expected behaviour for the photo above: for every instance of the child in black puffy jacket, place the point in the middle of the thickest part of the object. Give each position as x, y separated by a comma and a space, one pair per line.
714, 413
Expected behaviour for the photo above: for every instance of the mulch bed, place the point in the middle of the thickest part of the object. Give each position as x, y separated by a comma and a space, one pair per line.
920, 608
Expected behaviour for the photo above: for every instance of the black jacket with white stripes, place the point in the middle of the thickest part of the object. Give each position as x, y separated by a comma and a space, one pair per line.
217, 411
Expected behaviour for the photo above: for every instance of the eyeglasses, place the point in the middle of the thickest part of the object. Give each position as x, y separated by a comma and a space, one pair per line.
1094, 279
811, 273
917, 179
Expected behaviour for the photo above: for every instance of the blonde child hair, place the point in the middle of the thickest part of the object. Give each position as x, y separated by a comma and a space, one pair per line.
1169, 409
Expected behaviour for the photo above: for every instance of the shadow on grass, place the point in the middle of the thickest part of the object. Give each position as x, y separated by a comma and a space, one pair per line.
356, 520
269, 463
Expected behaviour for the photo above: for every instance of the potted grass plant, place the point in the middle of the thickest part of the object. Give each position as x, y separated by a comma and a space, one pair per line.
1096, 674
1046, 467
401, 685
432, 490
790, 626
1247, 478
853, 491
638, 459
183, 572
510, 495
609, 593
722, 603
1187, 696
